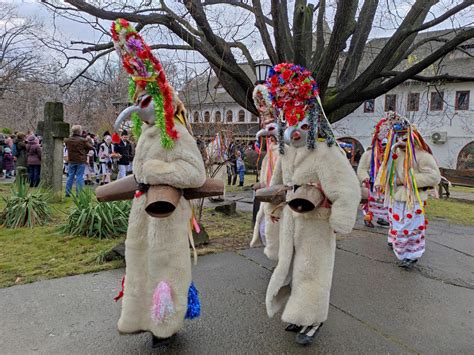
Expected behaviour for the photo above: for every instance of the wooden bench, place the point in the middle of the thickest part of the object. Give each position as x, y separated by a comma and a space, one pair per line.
456, 177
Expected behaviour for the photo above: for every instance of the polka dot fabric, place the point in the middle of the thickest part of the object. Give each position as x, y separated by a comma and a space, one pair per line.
407, 231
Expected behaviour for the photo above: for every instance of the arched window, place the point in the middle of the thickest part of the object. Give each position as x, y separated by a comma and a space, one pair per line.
217, 116
466, 157
207, 116
254, 118
196, 117
241, 116
353, 149
229, 116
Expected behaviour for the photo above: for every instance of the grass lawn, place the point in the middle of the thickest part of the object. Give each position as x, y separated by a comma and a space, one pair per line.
226, 232
462, 189
249, 180
28, 255
451, 210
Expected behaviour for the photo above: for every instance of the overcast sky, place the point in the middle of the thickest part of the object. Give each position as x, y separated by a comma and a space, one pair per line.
67, 30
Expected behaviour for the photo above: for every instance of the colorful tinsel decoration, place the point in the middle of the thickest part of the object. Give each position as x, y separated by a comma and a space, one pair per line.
261, 98
163, 306
388, 178
194, 305
148, 75
377, 153
136, 121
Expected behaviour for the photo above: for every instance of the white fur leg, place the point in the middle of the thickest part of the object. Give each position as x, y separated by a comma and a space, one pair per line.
277, 291
162, 255
313, 265
256, 230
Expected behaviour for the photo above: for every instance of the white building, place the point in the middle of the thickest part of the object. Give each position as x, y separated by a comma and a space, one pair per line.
443, 114
442, 111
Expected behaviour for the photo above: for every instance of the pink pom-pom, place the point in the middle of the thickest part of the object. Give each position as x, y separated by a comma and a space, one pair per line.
163, 306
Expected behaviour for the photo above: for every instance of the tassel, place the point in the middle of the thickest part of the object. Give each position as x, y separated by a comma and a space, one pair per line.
120, 294
163, 306
115, 138
194, 305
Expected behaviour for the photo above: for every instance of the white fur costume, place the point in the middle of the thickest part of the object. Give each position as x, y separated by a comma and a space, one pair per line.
272, 230
157, 249
303, 276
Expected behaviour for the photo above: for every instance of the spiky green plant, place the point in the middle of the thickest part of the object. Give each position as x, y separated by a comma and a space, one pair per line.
25, 207
90, 218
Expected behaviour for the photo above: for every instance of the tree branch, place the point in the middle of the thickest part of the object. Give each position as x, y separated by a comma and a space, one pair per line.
240, 4
391, 54
358, 42
281, 32
445, 16
262, 28
372, 92
430, 79
318, 52
343, 25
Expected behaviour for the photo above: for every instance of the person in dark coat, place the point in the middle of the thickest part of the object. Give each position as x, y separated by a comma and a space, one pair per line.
124, 148
20, 154
77, 150
33, 160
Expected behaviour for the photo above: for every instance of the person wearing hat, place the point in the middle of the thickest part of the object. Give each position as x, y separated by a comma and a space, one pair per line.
77, 150
33, 160
158, 292
124, 148
8, 163
409, 170
322, 199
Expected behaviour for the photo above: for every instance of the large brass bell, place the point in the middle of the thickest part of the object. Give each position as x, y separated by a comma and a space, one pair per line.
305, 198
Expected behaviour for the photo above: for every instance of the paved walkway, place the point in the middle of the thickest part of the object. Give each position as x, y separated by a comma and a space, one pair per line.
376, 307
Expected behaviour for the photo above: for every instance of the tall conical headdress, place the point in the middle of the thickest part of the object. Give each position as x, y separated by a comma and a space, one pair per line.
295, 96
147, 75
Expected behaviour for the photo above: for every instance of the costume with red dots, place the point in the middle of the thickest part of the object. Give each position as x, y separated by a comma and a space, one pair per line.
409, 171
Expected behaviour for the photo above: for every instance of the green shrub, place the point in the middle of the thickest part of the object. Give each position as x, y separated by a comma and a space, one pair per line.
6, 130
25, 207
94, 219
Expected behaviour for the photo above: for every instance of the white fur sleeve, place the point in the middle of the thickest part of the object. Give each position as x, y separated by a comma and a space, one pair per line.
183, 168
364, 166
340, 184
428, 174
277, 177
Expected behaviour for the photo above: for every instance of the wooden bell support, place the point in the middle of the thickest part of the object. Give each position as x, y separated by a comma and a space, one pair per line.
161, 199
274, 194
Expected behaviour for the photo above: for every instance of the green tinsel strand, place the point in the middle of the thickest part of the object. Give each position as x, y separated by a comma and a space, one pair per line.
131, 89
136, 125
153, 89
136, 121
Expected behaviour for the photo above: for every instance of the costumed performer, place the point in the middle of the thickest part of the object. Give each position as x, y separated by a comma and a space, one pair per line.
323, 197
158, 292
265, 230
408, 172
367, 170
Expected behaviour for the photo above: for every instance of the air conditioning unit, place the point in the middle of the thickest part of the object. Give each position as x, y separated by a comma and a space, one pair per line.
439, 137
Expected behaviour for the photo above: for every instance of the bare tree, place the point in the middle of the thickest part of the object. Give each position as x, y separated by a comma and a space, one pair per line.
337, 60
20, 56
